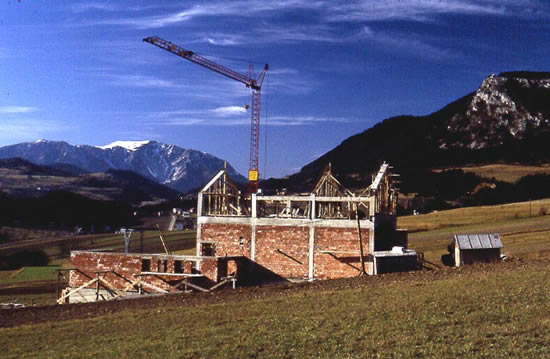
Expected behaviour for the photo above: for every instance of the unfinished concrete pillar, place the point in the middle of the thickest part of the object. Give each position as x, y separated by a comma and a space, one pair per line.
311, 252
312, 205
253, 205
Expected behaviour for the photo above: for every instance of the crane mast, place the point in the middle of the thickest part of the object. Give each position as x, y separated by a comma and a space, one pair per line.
254, 84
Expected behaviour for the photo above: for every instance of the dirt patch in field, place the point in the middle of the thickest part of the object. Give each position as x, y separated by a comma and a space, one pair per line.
38, 314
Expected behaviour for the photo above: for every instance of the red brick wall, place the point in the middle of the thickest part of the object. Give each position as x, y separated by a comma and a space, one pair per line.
215, 269
232, 239
209, 268
126, 267
339, 265
283, 250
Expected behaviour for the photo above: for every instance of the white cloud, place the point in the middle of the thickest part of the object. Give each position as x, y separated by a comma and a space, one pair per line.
410, 43
145, 81
228, 111
299, 33
245, 8
330, 11
81, 7
17, 109
293, 85
17, 124
205, 118
25, 129
212, 87
223, 39
87, 6
305, 120
426, 10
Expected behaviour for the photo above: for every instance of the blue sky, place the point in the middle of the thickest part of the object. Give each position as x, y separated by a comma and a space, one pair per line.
78, 71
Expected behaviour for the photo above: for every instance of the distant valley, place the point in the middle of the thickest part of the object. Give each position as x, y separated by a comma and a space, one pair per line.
23, 179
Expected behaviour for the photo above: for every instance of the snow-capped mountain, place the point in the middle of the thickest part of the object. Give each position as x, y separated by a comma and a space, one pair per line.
129, 145
179, 168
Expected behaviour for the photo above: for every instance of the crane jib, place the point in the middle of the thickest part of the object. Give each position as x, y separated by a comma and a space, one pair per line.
211, 65
254, 84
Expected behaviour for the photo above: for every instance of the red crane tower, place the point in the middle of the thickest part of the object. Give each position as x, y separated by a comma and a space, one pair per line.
254, 84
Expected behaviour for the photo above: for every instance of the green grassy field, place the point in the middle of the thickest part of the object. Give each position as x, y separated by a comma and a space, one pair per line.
32, 274
523, 228
485, 313
506, 172
58, 248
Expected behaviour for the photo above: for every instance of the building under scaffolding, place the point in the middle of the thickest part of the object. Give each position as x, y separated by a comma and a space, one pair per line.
328, 233
331, 232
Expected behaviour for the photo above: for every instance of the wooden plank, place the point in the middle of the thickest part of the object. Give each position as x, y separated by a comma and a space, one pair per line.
186, 275
145, 284
284, 198
220, 284
162, 240
68, 294
340, 252
213, 180
196, 286
342, 199
110, 286
127, 288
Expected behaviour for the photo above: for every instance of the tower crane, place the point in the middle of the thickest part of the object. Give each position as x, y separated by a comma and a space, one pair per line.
254, 84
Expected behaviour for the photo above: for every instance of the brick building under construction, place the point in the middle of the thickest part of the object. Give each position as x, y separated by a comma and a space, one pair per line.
328, 233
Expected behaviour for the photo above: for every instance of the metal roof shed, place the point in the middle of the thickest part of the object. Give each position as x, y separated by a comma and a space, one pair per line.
476, 248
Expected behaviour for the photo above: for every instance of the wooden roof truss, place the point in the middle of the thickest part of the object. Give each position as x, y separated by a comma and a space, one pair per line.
222, 197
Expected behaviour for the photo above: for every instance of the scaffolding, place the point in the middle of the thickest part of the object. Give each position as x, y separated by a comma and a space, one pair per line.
328, 200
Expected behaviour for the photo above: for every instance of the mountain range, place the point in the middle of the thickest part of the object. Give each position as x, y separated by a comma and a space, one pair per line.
506, 120
175, 167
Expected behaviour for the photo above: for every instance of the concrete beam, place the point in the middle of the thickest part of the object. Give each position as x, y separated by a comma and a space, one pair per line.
297, 222
311, 272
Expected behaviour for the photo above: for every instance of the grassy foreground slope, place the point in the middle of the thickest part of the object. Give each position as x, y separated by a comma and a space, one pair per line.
500, 310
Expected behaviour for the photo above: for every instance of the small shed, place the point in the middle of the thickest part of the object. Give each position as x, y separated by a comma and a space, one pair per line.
475, 248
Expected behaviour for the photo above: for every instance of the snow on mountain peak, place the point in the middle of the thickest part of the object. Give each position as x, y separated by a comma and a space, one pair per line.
128, 145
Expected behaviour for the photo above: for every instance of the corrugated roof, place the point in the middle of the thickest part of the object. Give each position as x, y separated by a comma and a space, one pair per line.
478, 241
